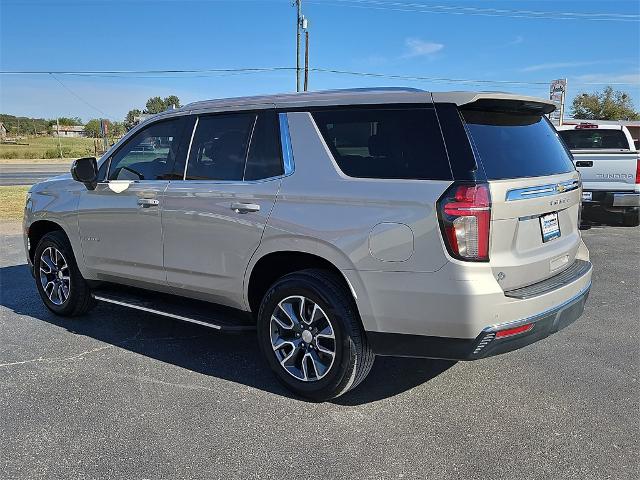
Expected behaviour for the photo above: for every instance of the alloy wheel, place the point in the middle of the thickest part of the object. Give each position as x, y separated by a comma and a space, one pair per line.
303, 338
54, 275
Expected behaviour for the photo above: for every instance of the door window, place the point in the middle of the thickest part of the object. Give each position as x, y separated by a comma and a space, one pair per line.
150, 154
265, 152
219, 147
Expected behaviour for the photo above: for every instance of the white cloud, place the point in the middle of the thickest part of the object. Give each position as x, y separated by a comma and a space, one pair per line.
551, 66
631, 78
420, 48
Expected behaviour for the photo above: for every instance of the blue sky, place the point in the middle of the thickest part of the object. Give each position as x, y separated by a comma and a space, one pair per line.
456, 39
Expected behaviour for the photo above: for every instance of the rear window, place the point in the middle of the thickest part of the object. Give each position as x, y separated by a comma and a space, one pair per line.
594, 138
512, 145
402, 143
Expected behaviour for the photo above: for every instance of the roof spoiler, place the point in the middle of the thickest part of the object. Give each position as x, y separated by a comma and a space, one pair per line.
496, 101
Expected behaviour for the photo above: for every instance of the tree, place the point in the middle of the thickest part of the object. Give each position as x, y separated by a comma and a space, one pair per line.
130, 119
69, 122
155, 105
92, 128
172, 101
117, 129
609, 104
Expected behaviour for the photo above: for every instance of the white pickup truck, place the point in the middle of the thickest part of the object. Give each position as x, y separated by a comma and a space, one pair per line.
609, 164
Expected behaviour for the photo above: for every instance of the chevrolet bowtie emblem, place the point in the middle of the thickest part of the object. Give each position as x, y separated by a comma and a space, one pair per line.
560, 188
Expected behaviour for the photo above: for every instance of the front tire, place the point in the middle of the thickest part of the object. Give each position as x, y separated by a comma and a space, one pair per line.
310, 334
59, 282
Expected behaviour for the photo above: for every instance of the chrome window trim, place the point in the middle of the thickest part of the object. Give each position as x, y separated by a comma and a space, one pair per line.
246, 155
186, 161
542, 190
285, 141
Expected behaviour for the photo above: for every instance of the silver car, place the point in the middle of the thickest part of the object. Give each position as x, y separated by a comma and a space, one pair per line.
340, 225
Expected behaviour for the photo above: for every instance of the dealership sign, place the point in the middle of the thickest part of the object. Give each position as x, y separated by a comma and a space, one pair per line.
557, 93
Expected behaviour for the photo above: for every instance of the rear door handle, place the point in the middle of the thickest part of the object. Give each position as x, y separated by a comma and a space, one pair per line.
148, 202
584, 163
240, 207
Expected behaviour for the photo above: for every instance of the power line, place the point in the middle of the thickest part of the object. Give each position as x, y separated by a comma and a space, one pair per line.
477, 11
238, 71
414, 6
77, 96
456, 80
139, 72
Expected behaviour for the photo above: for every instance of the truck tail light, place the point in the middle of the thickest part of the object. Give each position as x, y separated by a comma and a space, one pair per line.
638, 171
465, 218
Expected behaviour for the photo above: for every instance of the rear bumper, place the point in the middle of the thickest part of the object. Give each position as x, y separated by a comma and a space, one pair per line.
487, 343
614, 199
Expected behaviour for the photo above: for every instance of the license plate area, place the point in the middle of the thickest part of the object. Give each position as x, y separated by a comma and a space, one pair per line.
587, 196
549, 226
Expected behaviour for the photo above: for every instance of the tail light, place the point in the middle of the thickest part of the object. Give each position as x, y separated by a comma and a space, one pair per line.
465, 219
510, 332
638, 171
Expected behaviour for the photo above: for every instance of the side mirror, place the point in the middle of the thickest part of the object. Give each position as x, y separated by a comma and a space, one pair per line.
85, 170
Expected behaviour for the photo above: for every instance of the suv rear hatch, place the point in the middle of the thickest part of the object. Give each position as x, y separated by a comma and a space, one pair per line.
535, 190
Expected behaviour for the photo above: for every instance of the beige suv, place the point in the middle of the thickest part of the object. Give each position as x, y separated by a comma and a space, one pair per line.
341, 225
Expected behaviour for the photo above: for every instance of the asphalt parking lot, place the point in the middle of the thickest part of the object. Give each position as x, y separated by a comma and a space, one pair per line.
122, 394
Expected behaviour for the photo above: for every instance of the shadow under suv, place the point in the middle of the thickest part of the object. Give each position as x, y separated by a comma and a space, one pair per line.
341, 225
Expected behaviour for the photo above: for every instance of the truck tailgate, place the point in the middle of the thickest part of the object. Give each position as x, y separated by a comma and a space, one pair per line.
606, 170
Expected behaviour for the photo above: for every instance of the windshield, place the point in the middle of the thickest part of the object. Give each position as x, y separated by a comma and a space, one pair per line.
595, 138
512, 145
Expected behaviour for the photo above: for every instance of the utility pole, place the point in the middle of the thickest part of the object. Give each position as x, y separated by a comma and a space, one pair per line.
298, 27
58, 135
306, 59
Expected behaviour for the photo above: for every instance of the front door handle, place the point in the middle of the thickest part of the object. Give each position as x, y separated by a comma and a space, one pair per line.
148, 202
240, 207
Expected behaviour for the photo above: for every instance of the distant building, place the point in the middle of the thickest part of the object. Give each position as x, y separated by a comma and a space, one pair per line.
632, 125
68, 130
3, 131
142, 117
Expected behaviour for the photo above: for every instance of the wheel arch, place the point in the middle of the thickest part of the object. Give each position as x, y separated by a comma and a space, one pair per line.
276, 264
39, 229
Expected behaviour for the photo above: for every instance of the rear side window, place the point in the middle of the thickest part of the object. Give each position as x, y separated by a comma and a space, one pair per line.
402, 143
265, 154
219, 147
594, 138
512, 145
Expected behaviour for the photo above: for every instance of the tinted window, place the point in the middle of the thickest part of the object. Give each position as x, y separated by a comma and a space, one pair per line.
149, 154
512, 145
385, 143
219, 147
594, 138
265, 152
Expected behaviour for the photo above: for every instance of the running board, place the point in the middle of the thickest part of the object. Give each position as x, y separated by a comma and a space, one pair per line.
217, 317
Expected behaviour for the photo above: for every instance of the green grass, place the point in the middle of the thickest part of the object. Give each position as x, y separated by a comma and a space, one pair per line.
47, 147
12, 200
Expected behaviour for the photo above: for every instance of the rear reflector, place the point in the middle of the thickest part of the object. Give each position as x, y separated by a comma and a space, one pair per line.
465, 218
509, 332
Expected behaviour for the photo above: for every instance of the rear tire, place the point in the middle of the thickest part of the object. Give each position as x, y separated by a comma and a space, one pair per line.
310, 334
631, 218
59, 282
